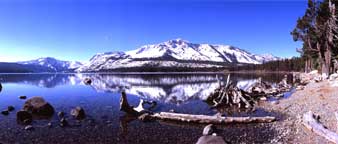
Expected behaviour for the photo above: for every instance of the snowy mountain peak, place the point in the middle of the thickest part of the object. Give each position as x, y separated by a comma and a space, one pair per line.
178, 41
54, 64
174, 53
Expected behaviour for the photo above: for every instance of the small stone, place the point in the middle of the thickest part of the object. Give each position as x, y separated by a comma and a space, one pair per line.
263, 99
24, 117
22, 97
5, 112
78, 113
276, 102
300, 87
209, 130
280, 95
87, 81
10, 108
61, 114
63, 122
29, 127
49, 125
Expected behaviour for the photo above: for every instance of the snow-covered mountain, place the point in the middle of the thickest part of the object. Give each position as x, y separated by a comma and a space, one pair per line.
174, 53
53, 64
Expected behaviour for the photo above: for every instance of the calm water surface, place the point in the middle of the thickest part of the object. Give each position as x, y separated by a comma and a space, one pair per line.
183, 93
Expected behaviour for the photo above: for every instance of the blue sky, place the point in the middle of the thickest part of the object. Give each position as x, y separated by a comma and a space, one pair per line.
78, 29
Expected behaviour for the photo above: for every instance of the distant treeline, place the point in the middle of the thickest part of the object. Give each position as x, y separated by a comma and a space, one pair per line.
293, 64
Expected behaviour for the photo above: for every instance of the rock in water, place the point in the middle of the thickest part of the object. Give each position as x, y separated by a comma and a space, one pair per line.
22, 97
78, 113
0, 87
87, 81
24, 117
38, 106
63, 122
5, 112
10, 108
61, 114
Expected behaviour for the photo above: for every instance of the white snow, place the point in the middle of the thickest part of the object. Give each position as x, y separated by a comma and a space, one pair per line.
171, 53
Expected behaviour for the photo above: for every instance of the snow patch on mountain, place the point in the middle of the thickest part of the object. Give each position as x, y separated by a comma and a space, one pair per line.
174, 53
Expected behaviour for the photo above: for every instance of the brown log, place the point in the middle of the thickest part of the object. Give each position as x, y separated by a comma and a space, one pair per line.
315, 126
205, 119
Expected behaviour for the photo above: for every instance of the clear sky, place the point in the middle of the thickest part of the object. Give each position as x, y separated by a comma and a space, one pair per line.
78, 29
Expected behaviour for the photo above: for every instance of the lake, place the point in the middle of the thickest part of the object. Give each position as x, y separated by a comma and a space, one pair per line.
181, 92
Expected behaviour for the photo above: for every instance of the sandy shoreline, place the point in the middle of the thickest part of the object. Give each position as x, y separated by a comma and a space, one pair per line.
320, 98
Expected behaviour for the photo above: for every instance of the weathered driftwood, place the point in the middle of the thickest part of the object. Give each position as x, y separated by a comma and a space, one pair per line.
233, 98
310, 122
203, 119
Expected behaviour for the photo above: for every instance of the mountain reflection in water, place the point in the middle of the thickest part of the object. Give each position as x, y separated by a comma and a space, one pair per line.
167, 88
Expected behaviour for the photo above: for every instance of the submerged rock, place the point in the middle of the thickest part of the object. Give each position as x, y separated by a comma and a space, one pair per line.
5, 112
10, 108
38, 106
24, 117
22, 97
0, 87
78, 113
87, 81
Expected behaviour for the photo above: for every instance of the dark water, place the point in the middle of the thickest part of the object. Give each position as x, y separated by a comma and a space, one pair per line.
104, 123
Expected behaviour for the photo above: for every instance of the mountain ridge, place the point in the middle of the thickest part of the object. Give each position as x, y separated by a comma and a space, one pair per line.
174, 53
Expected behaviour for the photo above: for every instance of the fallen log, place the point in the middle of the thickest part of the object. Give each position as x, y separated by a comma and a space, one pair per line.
203, 119
311, 123
206, 119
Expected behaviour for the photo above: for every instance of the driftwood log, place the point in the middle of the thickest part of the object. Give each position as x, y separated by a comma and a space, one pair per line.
190, 118
206, 119
235, 99
311, 122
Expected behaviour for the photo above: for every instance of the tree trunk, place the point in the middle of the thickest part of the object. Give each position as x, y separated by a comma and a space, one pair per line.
306, 65
328, 61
